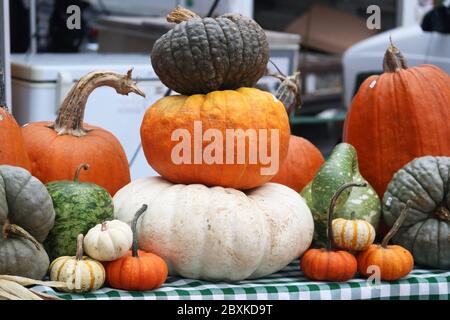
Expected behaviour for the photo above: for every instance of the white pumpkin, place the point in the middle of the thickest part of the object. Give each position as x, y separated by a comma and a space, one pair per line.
108, 241
80, 273
218, 233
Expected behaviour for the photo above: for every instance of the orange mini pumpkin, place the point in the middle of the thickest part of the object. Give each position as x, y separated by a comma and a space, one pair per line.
393, 261
12, 147
195, 139
137, 270
328, 264
397, 117
56, 149
301, 164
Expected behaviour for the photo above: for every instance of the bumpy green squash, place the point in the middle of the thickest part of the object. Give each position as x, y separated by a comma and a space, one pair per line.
426, 230
341, 168
200, 55
78, 207
26, 217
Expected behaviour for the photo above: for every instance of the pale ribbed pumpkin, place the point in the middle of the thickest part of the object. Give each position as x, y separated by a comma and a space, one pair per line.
397, 117
108, 241
218, 233
194, 121
301, 164
354, 234
80, 273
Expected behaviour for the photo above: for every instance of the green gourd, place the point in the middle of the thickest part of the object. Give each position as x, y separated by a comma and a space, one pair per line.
26, 217
78, 207
425, 182
341, 168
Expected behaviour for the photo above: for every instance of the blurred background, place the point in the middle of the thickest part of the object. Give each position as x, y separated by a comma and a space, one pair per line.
329, 41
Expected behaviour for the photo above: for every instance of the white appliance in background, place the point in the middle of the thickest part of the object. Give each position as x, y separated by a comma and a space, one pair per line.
40, 83
162, 8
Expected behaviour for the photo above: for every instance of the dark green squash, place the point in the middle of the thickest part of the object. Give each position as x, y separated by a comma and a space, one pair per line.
341, 168
425, 233
78, 207
200, 55
26, 217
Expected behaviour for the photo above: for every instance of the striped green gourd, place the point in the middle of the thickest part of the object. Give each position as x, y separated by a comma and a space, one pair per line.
78, 207
339, 169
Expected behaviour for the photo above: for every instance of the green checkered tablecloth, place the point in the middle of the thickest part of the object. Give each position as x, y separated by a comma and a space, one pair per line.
288, 284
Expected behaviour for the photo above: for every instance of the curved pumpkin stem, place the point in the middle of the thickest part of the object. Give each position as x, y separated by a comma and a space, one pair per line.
394, 59
71, 113
333, 202
180, 14
135, 246
398, 223
83, 166
79, 254
14, 229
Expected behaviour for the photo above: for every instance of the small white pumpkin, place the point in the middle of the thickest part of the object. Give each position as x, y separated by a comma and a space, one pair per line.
80, 273
354, 234
216, 233
108, 241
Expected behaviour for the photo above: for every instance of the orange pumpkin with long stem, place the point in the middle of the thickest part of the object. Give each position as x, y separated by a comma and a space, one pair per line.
137, 270
397, 117
56, 149
12, 147
394, 262
301, 164
328, 264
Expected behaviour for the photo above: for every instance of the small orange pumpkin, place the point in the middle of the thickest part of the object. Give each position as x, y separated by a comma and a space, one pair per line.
301, 164
137, 270
328, 264
394, 262
56, 149
12, 147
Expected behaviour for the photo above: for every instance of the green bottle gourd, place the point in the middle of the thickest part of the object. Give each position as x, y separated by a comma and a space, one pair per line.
339, 169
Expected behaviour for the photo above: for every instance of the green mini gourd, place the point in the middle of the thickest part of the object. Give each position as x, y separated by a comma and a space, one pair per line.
341, 168
78, 206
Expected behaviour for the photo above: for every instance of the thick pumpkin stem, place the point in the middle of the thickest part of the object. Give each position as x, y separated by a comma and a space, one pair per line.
103, 226
83, 166
79, 254
14, 229
394, 59
333, 202
71, 113
135, 246
398, 223
180, 14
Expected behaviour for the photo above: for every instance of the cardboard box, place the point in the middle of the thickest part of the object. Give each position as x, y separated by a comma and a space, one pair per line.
330, 30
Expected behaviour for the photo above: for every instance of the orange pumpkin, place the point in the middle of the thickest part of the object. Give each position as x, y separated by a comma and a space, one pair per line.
397, 117
56, 149
394, 262
301, 164
328, 264
12, 147
137, 270
180, 142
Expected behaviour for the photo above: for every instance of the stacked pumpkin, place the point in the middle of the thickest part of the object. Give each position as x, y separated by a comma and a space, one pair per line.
212, 214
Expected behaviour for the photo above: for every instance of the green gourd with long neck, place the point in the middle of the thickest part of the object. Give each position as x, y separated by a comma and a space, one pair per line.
339, 169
